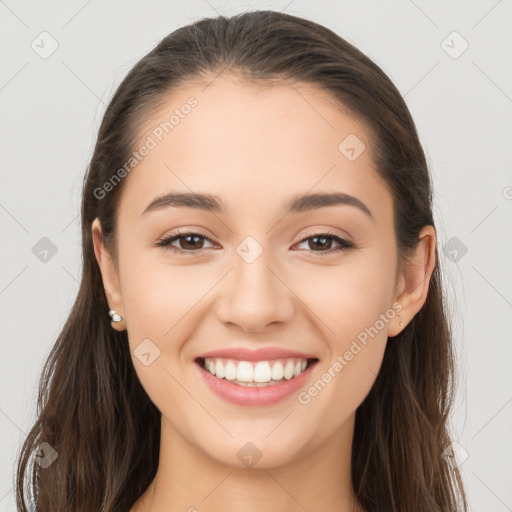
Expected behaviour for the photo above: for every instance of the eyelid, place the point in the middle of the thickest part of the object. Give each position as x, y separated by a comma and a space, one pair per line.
165, 240
311, 232
185, 231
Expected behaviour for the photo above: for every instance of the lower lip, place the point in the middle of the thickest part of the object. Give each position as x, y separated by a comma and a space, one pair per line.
254, 396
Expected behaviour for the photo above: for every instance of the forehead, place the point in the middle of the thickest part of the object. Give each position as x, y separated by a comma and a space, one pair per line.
245, 141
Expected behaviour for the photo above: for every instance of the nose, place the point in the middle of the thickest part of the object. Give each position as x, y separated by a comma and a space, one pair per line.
255, 296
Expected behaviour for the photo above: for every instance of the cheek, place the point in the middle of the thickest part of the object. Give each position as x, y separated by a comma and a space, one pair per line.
157, 295
350, 297
161, 305
353, 306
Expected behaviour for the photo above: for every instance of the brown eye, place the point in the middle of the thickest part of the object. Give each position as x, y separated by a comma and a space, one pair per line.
320, 243
189, 243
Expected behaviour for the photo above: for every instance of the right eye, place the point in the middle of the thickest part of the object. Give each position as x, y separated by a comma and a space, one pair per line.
191, 239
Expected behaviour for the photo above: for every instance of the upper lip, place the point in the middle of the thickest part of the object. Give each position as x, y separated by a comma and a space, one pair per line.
260, 354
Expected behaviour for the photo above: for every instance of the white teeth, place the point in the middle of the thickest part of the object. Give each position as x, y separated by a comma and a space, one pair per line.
230, 371
277, 371
219, 369
288, 370
255, 374
244, 372
257, 384
262, 372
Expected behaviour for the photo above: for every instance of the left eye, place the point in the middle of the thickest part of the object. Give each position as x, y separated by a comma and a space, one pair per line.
193, 241
323, 239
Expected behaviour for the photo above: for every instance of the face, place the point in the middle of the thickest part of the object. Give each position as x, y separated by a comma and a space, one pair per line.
313, 283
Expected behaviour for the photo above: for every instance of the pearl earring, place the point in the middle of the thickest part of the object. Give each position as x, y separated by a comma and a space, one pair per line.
116, 317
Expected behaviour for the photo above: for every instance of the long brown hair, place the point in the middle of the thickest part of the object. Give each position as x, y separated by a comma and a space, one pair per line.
92, 409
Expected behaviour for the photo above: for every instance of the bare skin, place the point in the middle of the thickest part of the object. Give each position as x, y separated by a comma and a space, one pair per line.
257, 147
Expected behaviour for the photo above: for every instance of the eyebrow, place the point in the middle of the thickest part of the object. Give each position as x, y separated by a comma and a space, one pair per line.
214, 204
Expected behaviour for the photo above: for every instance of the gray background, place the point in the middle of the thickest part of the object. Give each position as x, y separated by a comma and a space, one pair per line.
462, 104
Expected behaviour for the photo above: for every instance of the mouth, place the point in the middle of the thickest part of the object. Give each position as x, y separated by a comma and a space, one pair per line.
255, 374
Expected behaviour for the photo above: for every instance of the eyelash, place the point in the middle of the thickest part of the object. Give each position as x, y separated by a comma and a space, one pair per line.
343, 244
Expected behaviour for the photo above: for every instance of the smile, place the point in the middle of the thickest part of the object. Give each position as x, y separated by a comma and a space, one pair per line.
255, 373
254, 383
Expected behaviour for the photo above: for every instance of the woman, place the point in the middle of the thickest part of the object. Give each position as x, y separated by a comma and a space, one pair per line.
260, 321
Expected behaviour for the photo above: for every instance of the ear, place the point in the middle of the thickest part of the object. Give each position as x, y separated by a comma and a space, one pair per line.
414, 280
109, 274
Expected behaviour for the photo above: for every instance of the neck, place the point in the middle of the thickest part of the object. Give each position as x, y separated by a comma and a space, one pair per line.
188, 479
